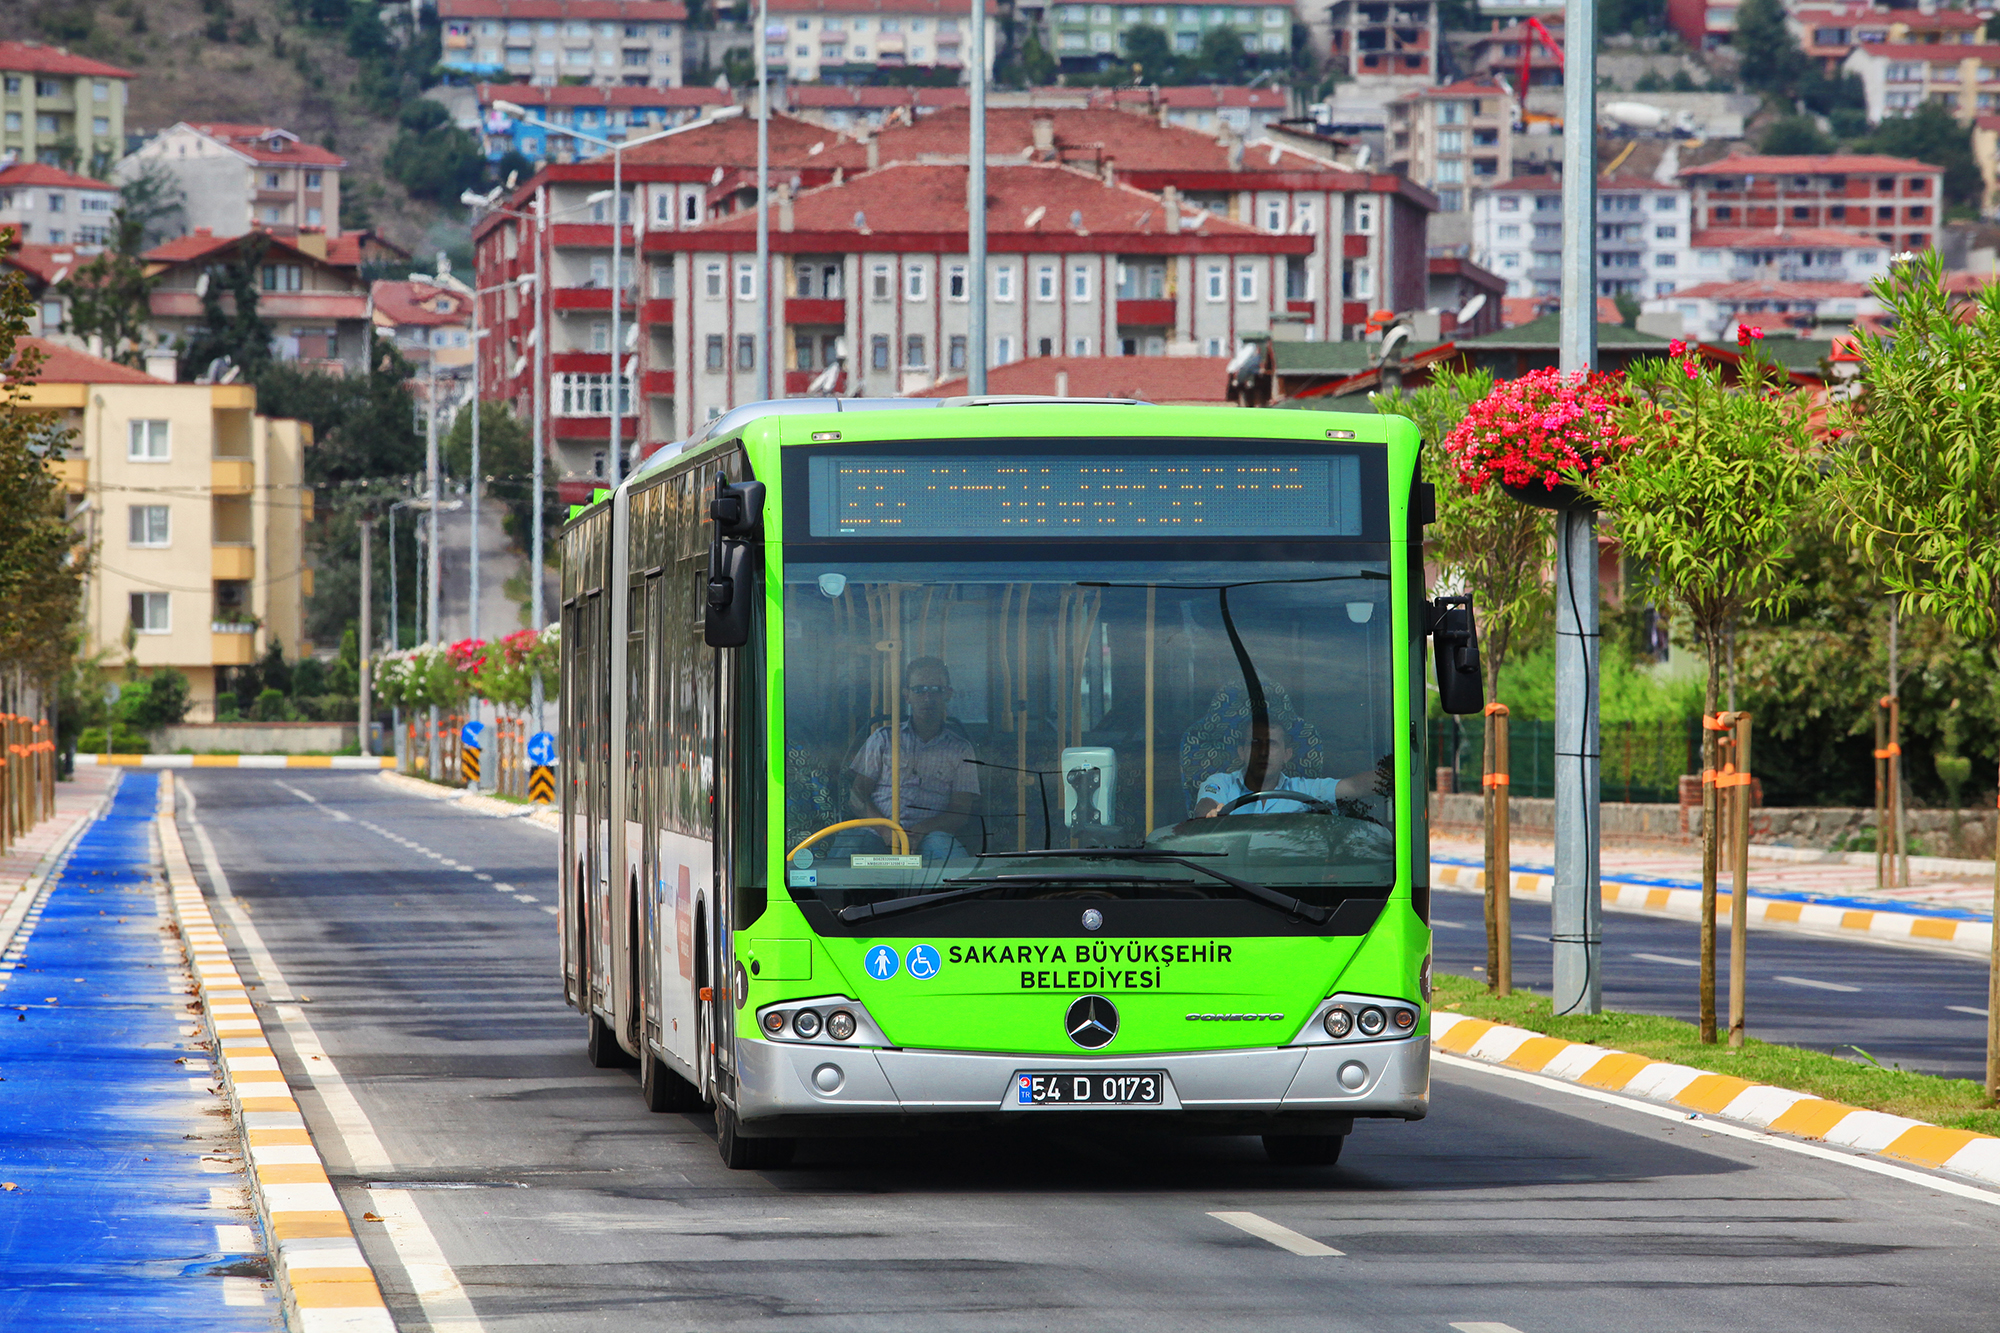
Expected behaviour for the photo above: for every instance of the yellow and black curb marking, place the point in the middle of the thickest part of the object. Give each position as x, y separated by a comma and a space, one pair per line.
1723, 1096
1955, 934
323, 1281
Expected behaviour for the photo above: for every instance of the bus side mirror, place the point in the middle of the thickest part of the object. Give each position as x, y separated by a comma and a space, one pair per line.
1455, 639
738, 514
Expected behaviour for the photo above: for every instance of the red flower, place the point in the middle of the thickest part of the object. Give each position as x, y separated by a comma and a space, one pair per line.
1677, 348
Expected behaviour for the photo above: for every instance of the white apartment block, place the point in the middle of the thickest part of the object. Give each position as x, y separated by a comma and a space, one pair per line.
1644, 236
834, 41
601, 43
49, 206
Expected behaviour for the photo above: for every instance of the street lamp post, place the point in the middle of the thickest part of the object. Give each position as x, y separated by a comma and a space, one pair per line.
975, 211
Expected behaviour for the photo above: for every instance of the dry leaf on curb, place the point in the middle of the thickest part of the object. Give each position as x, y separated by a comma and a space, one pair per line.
366, 1217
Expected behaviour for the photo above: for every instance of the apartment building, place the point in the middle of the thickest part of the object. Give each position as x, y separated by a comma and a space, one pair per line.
432, 327
1645, 235
1787, 254
61, 110
41, 267
1703, 24
1088, 37
601, 43
1893, 201
49, 206
197, 508
609, 113
1451, 140
842, 106
1498, 50
238, 177
1899, 78
1385, 46
1829, 35
317, 309
1710, 311
836, 41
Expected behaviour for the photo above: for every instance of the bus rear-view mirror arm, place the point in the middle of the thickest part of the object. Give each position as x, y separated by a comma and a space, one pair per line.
1455, 643
733, 570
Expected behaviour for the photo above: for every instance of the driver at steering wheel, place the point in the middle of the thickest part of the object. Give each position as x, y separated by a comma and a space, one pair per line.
1219, 789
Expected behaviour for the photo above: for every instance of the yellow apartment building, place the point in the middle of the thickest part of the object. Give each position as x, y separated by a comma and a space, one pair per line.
195, 510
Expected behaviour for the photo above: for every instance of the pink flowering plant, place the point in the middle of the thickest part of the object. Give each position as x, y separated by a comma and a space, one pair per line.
1545, 428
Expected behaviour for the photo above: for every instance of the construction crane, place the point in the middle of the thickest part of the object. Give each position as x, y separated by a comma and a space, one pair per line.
1534, 30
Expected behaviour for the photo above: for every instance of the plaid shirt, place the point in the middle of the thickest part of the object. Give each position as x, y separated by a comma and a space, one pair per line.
932, 772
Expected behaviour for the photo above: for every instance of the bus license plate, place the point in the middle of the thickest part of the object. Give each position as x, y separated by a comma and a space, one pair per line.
1123, 1088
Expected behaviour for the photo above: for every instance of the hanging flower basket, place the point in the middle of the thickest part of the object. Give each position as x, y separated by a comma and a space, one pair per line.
1542, 437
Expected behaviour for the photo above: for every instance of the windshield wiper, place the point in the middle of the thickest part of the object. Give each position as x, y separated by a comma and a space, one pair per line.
891, 906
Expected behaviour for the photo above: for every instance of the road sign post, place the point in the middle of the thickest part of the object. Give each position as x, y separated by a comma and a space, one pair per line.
469, 742
542, 768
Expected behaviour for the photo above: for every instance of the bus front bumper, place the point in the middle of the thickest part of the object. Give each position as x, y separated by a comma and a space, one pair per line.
786, 1081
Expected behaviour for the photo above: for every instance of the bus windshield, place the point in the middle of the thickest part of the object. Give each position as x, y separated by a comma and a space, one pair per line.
952, 721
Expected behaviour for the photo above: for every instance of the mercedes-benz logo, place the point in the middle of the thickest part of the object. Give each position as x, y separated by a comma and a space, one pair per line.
1092, 1022
1092, 918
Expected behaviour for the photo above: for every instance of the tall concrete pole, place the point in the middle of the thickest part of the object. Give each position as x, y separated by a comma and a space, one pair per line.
473, 482
431, 577
536, 611
362, 644
617, 332
975, 210
1576, 909
767, 379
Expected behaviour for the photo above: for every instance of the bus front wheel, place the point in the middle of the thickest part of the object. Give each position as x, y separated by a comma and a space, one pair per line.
741, 1154
1304, 1149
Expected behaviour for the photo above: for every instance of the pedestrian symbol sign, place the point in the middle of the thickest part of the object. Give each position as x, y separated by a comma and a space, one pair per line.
882, 962
542, 750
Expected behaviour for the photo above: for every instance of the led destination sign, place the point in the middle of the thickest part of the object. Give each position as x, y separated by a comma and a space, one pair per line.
1233, 495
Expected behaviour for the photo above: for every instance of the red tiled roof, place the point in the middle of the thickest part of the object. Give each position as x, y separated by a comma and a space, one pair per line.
183, 304
1518, 310
944, 8
1157, 379
1827, 164
66, 365
36, 173
1036, 199
732, 142
1791, 238
255, 141
34, 58
200, 243
652, 11
1778, 291
44, 262
1987, 122
571, 95
402, 302
1463, 88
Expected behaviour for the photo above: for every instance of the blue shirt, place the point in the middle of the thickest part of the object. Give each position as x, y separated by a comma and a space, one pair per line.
1222, 788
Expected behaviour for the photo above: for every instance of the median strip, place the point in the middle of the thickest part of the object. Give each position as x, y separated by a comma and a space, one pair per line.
323, 1280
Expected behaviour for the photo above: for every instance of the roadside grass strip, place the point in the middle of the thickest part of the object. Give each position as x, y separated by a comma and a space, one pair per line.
1850, 1105
364, 761
1951, 928
323, 1280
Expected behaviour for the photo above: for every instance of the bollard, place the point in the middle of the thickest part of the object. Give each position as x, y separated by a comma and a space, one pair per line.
1739, 896
1711, 813
1499, 854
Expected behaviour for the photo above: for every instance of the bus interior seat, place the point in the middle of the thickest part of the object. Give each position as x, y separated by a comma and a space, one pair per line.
1210, 745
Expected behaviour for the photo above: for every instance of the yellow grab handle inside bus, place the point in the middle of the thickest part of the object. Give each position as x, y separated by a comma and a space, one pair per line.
902, 839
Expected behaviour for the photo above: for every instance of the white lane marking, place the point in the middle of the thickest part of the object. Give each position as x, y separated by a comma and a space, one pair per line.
1532, 939
1485, 1326
436, 1284
524, 897
1263, 1228
505, 888
482, 876
1450, 925
340, 815
1711, 1126
1819, 985
232, 1239
1968, 1009
1663, 958
550, 910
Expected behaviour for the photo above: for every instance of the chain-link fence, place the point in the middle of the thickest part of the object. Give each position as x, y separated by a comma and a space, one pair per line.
1642, 761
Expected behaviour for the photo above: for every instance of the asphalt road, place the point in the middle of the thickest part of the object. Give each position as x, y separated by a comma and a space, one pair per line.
555, 1201
1917, 1009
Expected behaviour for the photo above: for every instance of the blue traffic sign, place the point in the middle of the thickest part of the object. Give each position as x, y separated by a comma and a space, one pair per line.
882, 962
922, 962
542, 750
471, 733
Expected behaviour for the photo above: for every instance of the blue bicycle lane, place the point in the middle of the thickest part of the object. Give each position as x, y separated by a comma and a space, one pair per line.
122, 1199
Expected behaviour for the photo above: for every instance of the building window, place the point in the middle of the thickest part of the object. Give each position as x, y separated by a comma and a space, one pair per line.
590, 395
746, 351
711, 283
1451, 201
1003, 284
1045, 282
746, 280
913, 352
149, 525
600, 335
1246, 282
957, 352
1216, 283
1364, 216
150, 613
312, 180
878, 352
52, 316
716, 353
1003, 350
1665, 261
878, 283
1451, 113
1079, 282
147, 442
916, 282
1664, 203
1079, 347
283, 277
1213, 347
955, 288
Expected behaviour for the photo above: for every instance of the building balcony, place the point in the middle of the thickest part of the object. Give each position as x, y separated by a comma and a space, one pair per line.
656, 383
1147, 313
1302, 307
585, 363
588, 298
1354, 246
73, 473
232, 645
659, 310
232, 476
815, 310
1354, 312
233, 560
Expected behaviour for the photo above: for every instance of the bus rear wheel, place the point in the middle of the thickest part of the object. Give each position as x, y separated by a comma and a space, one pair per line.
1304, 1149
663, 1089
602, 1046
741, 1154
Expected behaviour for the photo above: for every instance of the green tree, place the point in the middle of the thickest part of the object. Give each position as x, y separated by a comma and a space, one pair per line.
1152, 50
1710, 499
236, 330
1918, 478
363, 425
153, 197
507, 465
1221, 58
1771, 59
109, 296
1932, 134
1037, 65
160, 700
433, 158
1795, 136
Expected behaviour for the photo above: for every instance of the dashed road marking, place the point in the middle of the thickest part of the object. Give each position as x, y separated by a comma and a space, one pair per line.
1485, 1326
1664, 958
1819, 985
1263, 1228
1974, 1010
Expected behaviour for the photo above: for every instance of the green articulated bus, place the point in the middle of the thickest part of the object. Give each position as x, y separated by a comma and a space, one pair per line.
1007, 761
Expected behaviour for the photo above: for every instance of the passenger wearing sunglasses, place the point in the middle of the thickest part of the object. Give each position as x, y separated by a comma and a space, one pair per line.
938, 785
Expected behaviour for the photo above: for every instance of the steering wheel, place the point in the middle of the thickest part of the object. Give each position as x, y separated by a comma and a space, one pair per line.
1312, 803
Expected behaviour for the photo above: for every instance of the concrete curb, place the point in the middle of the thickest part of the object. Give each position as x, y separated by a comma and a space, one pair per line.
544, 816
1945, 928
1757, 1105
236, 761
323, 1280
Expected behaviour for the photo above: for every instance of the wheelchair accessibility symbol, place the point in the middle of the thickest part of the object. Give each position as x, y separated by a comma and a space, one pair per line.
922, 962
882, 962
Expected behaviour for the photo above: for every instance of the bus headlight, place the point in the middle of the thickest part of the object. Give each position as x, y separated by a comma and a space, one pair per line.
774, 1022
1372, 1021
840, 1025
1403, 1019
1347, 1018
806, 1024
1338, 1023
820, 1020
